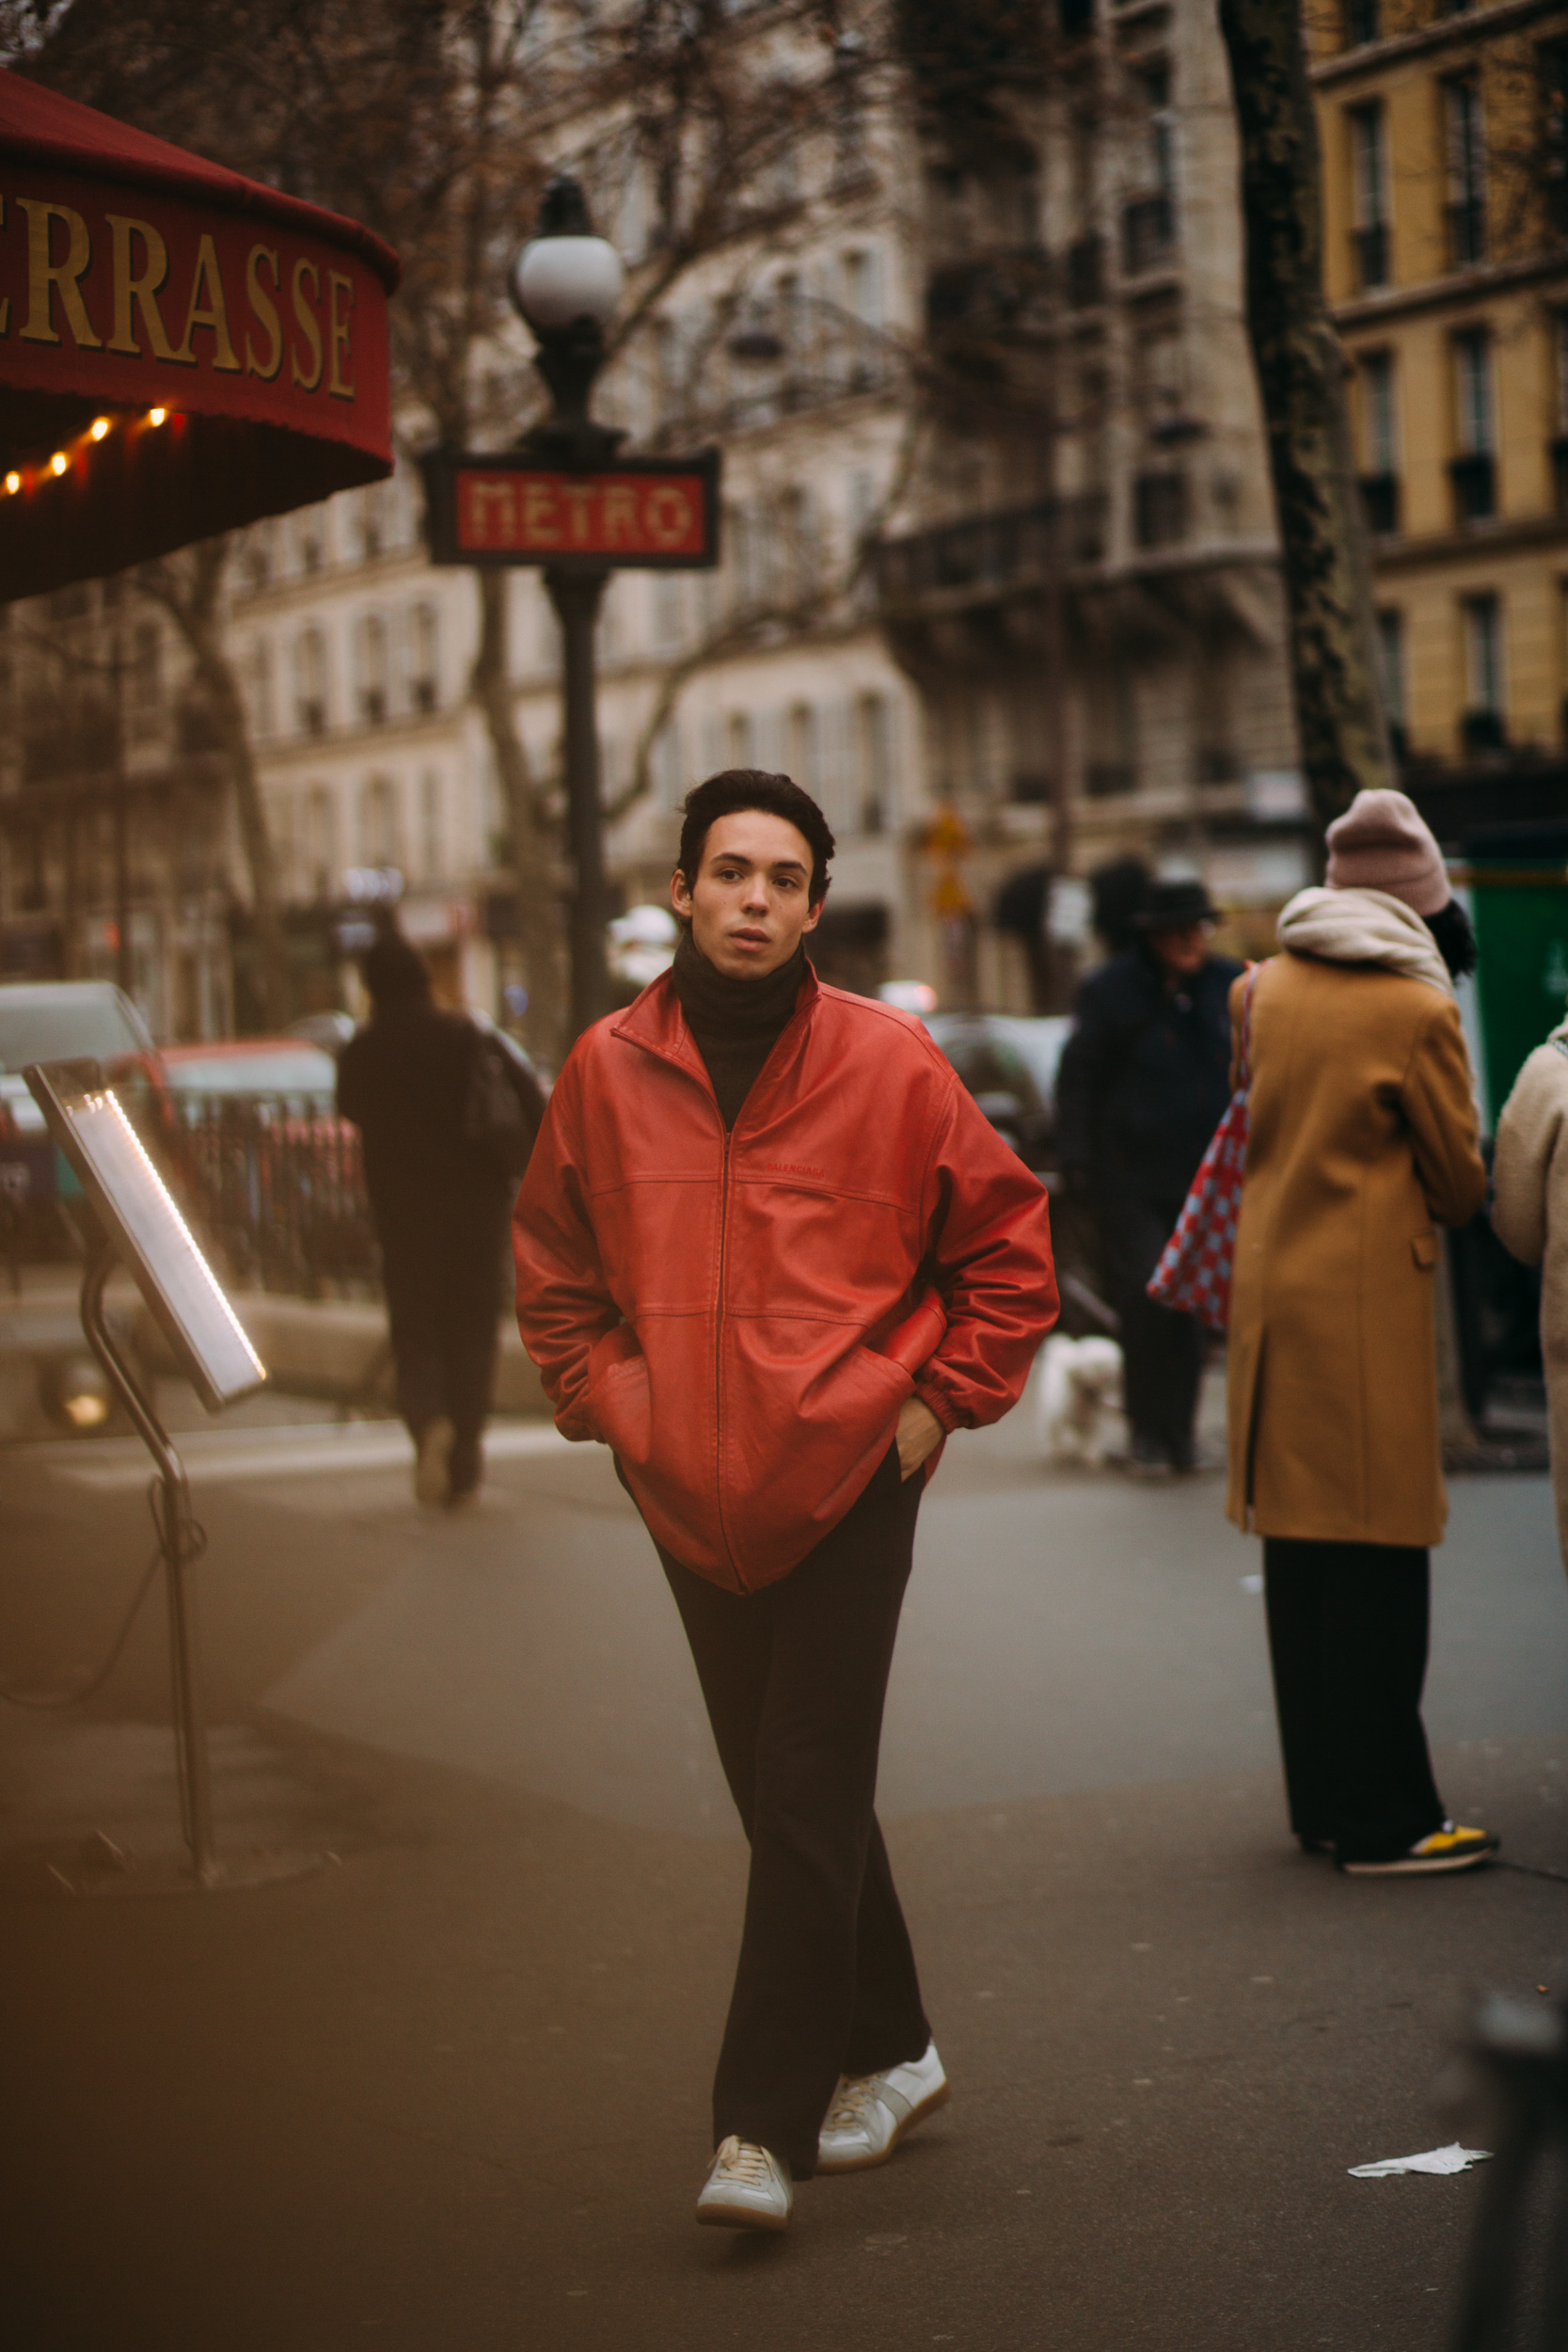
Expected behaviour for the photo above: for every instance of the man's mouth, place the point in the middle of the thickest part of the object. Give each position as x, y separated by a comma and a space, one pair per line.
750, 938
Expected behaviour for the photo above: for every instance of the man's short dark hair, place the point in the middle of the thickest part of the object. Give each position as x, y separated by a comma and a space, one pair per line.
736, 789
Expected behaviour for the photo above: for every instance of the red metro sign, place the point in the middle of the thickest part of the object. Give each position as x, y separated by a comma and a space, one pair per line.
652, 513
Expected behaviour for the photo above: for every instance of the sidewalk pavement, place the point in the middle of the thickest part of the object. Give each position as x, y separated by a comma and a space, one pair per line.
450, 2093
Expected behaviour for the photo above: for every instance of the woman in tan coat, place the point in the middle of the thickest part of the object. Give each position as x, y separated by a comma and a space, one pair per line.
1529, 1215
1362, 1139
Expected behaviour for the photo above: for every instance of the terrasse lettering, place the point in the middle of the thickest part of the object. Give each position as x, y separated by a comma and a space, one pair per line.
292, 307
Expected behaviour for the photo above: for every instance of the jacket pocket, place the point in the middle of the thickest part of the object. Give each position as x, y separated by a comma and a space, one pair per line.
1423, 1248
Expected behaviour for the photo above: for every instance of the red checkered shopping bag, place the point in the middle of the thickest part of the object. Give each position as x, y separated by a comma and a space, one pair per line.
1194, 1272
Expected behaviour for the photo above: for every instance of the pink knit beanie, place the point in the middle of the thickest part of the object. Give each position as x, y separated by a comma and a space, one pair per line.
1383, 842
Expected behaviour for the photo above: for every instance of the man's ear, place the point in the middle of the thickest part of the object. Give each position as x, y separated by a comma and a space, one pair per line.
680, 895
815, 916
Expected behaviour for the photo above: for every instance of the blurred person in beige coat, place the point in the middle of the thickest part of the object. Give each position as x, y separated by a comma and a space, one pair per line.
1362, 1140
1529, 1215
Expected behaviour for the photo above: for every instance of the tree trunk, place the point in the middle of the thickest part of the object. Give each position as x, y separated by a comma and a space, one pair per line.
1301, 377
539, 913
189, 588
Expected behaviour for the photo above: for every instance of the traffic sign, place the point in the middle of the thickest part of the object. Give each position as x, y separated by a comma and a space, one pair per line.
654, 514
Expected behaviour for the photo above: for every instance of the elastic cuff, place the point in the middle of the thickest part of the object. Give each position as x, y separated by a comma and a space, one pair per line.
936, 1403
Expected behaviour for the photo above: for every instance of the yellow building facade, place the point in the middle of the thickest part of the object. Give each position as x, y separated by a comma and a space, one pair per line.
1444, 132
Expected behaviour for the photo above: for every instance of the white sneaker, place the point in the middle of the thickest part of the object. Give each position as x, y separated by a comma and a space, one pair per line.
433, 1464
749, 2188
871, 2113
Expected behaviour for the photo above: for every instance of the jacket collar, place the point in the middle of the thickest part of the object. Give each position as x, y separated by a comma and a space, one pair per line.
656, 1021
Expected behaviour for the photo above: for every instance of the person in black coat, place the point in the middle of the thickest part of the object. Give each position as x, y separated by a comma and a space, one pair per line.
1143, 1083
448, 1114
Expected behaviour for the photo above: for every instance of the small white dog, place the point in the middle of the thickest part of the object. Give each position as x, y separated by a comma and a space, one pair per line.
1078, 1401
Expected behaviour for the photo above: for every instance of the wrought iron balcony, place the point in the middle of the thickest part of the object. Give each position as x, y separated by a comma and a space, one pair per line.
1019, 545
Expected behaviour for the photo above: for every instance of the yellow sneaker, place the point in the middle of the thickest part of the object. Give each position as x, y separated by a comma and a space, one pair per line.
1449, 1848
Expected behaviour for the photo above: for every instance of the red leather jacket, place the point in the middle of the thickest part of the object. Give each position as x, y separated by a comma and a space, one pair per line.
741, 1316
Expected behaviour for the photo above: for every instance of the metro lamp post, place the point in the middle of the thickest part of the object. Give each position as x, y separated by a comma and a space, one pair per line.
564, 286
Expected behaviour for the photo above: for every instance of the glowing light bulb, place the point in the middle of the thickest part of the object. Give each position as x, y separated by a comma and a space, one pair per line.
59, 463
156, 416
13, 484
99, 427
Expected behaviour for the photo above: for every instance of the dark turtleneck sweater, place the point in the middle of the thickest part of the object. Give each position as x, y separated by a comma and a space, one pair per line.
737, 1024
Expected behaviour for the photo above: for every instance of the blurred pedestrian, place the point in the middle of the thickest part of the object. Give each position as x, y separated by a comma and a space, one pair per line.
1530, 1216
448, 1112
770, 1252
1143, 1083
1362, 1138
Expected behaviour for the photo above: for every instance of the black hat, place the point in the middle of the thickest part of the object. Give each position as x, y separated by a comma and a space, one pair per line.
1172, 906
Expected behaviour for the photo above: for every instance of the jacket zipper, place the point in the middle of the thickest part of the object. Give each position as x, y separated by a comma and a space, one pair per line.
719, 1360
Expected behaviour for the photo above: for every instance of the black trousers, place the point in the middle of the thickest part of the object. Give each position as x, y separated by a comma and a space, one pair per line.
1349, 1625
794, 1679
1162, 1351
443, 1283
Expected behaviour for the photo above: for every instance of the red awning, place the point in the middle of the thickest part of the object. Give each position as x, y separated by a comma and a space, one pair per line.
181, 350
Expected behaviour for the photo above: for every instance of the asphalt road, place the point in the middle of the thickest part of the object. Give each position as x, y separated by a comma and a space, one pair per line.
450, 2093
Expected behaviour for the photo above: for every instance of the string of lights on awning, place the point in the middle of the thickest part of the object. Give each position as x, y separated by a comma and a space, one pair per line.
182, 350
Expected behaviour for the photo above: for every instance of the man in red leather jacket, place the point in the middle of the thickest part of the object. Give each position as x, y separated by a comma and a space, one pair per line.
771, 1253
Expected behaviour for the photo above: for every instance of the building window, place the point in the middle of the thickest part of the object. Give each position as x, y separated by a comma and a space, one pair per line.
664, 765
424, 665
378, 823
321, 840
372, 669
803, 749
1390, 663
1362, 23
874, 758
146, 676
1473, 472
1553, 66
310, 682
1369, 178
1482, 728
431, 859
1160, 509
1466, 208
668, 613
1380, 484
738, 737
260, 688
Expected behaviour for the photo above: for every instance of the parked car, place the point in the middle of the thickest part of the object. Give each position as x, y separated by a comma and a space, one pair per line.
287, 1069
1007, 1062
330, 1029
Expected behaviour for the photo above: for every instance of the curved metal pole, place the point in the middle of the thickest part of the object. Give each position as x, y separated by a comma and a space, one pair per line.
190, 1734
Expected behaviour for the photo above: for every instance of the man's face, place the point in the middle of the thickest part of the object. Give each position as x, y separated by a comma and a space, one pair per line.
1182, 953
750, 905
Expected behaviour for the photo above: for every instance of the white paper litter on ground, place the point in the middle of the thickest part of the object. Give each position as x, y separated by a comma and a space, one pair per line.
1453, 2158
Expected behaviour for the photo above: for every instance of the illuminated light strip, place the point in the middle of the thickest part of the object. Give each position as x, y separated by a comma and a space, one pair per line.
60, 463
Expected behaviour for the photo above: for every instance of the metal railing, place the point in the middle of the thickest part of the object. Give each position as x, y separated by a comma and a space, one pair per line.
276, 1186
992, 551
